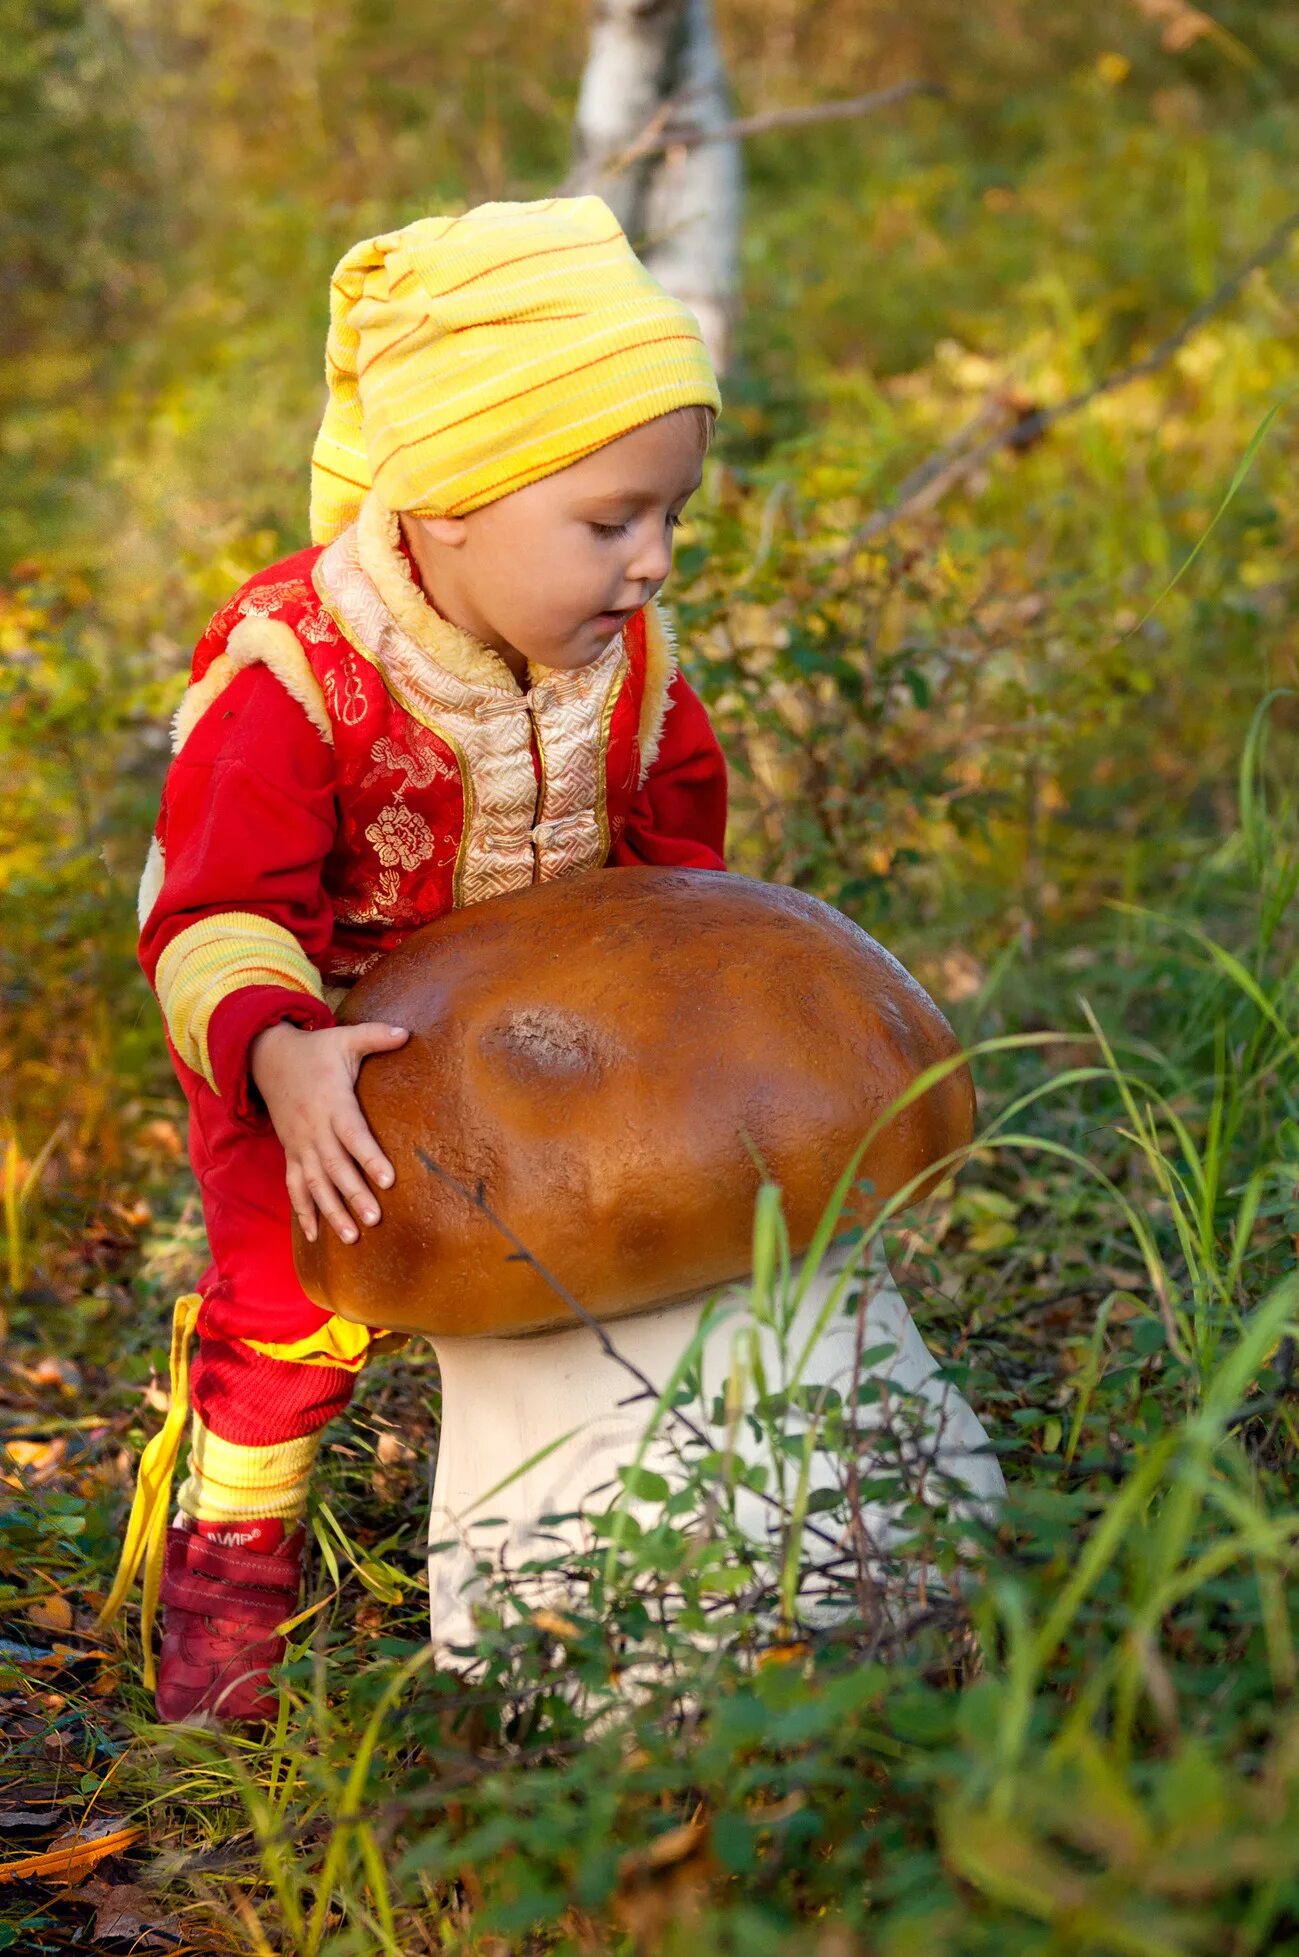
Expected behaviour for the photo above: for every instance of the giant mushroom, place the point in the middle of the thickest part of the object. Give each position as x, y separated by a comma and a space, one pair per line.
602, 1072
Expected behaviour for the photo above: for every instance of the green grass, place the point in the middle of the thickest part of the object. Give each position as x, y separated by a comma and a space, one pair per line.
1095, 1752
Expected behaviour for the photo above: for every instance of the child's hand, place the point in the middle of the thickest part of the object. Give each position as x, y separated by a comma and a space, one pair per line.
307, 1080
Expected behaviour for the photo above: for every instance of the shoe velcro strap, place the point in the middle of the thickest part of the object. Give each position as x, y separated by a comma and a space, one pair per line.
250, 1568
228, 1603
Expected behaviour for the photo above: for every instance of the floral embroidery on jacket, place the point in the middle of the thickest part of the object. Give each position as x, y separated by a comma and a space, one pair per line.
264, 599
400, 835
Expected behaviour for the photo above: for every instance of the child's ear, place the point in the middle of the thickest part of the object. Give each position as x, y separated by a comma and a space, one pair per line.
448, 530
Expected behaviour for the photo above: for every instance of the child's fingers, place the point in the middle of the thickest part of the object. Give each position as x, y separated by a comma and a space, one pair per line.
342, 1172
300, 1200
356, 1138
320, 1182
375, 1037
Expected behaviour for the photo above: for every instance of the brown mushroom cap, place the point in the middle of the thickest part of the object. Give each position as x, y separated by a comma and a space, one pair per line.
616, 1060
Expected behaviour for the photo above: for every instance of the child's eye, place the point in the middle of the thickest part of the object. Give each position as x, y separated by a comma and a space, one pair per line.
620, 529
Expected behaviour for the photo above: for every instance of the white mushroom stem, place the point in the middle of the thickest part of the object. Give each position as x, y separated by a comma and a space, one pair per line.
539, 1427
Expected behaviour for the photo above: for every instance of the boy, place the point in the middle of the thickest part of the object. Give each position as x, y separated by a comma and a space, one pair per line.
462, 688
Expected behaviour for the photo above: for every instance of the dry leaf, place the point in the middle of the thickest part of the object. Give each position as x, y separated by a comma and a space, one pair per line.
662, 1883
126, 1912
45, 1455
73, 1853
777, 1811
836, 1941
782, 1654
52, 1613
49, 1371
554, 1625
1180, 24
1126, 1280
389, 1451
673, 1846
160, 1138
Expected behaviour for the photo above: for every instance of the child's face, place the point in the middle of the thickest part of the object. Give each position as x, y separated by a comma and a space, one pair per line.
550, 572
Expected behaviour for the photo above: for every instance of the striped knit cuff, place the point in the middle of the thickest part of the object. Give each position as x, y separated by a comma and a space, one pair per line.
210, 960
228, 1482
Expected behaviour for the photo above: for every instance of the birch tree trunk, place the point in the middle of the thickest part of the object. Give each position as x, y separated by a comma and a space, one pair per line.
681, 209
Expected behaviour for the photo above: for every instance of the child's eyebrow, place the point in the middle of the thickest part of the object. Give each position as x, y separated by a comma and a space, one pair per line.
639, 499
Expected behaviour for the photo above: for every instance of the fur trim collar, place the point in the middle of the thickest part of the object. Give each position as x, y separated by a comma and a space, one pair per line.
660, 671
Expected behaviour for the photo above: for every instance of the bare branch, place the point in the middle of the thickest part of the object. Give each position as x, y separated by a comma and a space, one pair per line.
647, 1389
955, 461
661, 134
478, 1201
849, 108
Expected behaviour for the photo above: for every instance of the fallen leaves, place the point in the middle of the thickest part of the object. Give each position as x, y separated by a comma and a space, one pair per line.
61, 1375
394, 1460
28, 1820
125, 1913
73, 1853
52, 1613
41, 1460
554, 1625
663, 1882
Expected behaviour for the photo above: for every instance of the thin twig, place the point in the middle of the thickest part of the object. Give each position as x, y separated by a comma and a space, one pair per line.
868, 1589
477, 1199
561, 1291
951, 464
692, 136
661, 134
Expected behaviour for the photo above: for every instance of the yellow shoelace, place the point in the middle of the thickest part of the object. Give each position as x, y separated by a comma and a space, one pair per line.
146, 1530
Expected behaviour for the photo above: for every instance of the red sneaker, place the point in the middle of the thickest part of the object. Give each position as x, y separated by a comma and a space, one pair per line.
220, 1608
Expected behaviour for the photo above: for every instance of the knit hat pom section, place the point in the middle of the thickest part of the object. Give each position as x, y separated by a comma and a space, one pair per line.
470, 356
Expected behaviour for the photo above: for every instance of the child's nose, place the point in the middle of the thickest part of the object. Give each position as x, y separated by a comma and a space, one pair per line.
651, 560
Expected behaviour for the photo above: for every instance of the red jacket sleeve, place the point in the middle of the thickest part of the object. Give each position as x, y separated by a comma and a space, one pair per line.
233, 939
678, 818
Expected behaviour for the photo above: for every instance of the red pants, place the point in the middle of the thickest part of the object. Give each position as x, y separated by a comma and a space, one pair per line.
249, 1396
269, 1365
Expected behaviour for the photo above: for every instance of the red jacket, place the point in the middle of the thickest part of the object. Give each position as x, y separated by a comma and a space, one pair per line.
348, 767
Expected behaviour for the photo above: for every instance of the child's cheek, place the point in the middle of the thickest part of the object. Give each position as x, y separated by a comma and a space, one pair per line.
601, 566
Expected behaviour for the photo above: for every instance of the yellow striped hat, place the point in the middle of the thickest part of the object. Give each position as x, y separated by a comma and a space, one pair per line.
469, 356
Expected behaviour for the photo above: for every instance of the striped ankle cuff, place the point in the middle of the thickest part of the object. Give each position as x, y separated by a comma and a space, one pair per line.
231, 1482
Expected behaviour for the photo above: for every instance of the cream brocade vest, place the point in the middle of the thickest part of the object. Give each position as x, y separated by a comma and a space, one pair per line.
514, 833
